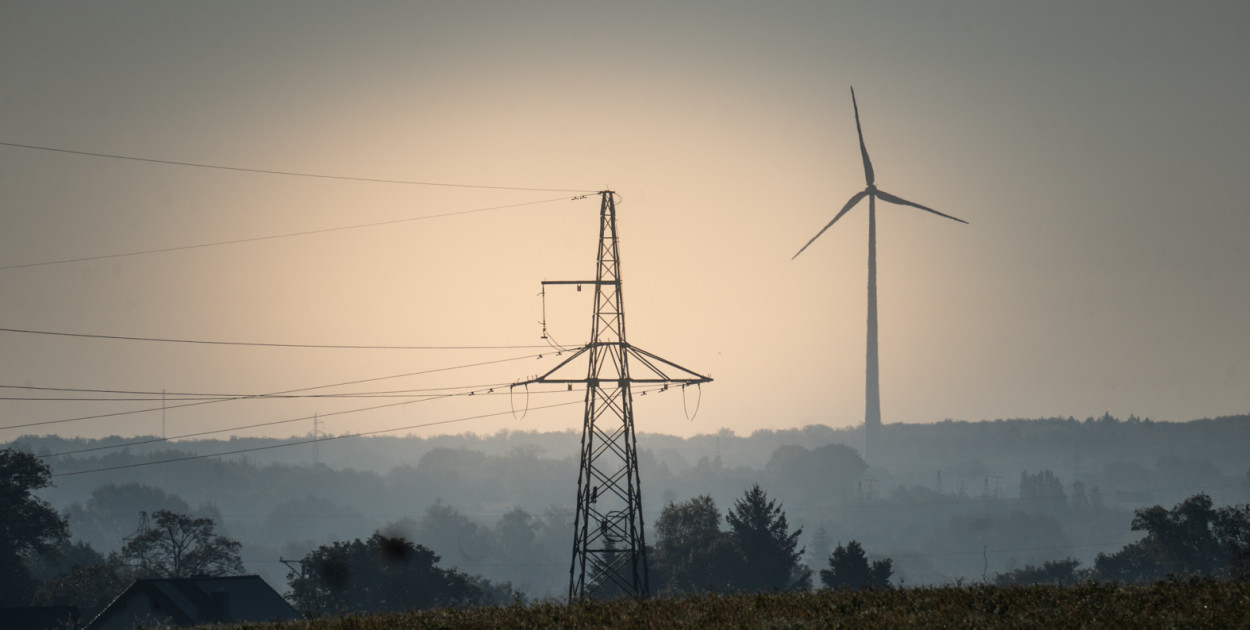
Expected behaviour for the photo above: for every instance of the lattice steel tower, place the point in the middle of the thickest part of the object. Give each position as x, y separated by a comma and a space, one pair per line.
609, 547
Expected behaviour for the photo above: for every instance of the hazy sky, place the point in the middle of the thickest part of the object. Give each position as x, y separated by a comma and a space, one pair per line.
1098, 150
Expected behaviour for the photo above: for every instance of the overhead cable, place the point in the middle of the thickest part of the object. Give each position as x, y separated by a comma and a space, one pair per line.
261, 344
264, 171
274, 236
308, 441
156, 395
154, 440
262, 396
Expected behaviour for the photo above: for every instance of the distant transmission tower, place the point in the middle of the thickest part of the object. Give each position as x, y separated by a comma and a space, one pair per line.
609, 547
316, 443
142, 529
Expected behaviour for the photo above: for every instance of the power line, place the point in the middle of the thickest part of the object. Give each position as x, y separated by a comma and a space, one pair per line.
206, 398
309, 441
274, 236
262, 396
324, 439
260, 344
154, 395
225, 398
220, 167
287, 421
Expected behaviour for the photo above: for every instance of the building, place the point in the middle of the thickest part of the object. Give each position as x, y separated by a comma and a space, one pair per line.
194, 601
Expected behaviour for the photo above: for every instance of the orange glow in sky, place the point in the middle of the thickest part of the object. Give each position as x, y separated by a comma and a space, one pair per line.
1098, 154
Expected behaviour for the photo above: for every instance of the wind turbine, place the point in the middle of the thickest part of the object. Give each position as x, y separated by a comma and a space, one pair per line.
872, 406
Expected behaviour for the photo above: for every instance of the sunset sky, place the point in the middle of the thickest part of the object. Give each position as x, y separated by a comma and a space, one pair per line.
1099, 151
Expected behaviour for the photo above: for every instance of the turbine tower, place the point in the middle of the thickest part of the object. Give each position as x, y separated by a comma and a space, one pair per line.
609, 547
872, 393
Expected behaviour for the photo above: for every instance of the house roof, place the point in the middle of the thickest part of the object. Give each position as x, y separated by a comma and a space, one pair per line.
190, 601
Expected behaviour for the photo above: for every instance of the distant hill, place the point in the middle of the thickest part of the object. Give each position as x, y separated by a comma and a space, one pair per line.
944, 493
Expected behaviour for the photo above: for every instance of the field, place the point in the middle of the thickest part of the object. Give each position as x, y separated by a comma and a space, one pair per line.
1179, 604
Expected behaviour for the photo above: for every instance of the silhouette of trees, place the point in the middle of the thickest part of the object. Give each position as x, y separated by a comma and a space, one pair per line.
178, 545
381, 574
760, 531
691, 553
1232, 527
1059, 572
29, 526
759, 552
1192, 539
849, 569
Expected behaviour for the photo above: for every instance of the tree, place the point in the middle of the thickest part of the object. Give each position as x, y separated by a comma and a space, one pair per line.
382, 574
760, 530
849, 569
1193, 538
1232, 527
691, 553
693, 524
182, 546
29, 526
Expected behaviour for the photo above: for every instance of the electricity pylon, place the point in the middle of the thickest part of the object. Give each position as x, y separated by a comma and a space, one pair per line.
609, 547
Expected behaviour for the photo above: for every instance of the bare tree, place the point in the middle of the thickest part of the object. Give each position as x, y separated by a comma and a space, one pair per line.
182, 546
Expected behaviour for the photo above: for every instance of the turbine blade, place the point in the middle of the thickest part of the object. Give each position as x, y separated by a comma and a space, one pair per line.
849, 204
885, 196
869, 176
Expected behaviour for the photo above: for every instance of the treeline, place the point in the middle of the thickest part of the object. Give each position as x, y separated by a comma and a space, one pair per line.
1069, 445
505, 511
751, 548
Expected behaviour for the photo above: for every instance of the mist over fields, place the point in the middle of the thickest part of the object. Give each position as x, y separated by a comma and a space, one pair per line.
949, 501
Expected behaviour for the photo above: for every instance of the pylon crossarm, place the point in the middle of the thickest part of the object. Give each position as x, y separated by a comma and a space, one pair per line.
579, 282
650, 360
653, 364
544, 377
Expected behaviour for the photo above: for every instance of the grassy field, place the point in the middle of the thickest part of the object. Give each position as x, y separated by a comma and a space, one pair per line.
1182, 604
